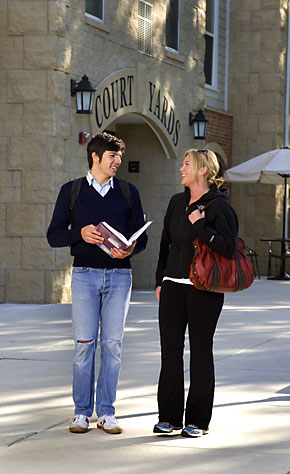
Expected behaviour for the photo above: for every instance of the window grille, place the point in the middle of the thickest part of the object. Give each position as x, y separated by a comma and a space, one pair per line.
145, 14
95, 8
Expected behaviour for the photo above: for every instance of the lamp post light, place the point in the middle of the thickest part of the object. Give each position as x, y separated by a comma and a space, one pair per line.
84, 93
199, 122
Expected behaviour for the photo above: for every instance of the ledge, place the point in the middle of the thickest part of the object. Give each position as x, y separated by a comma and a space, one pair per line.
97, 24
175, 55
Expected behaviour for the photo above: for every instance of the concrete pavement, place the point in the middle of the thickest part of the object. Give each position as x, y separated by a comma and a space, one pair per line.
250, 428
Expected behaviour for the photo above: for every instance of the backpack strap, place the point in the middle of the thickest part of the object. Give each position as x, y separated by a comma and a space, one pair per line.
126, 191
76, 187
75, 190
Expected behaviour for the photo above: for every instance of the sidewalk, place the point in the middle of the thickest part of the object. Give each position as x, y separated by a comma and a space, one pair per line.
250, 428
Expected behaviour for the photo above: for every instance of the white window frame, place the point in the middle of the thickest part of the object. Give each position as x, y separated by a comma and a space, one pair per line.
96, 18
178, 31
214, 35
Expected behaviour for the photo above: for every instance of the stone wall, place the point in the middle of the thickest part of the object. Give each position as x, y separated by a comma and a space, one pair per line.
43, 44
258, 40
35, 110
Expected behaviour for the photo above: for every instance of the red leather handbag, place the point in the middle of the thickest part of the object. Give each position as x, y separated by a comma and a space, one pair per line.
211, 271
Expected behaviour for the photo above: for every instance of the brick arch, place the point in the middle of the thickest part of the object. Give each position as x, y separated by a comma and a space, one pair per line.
221, 155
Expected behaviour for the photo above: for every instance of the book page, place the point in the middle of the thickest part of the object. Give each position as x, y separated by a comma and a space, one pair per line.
118, 234
139, 232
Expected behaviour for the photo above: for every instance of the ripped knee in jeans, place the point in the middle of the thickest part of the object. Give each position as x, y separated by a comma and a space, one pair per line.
85, 342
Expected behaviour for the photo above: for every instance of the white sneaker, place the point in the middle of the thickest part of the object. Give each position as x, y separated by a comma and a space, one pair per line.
80, 424
109, 424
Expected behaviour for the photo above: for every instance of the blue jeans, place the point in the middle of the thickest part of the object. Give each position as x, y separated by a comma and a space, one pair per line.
100, 297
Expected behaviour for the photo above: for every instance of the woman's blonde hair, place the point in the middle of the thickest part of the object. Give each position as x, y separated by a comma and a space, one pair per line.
200, 158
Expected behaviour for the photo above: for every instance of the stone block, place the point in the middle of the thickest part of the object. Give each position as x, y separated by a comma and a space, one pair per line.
57, 288
50, 208
39, 119
36, 254
3, 78
10, 128
64, 55
63, 115
57, 12
10, 195
267, 20
259, 143
271, 41
27, 17
267, 4
2, 278
16, 178
265, 103
40, 52
55, 153
37, 187
3, 17
26, 220
25, 286
26, 153
26, 86
6, 245
56, 87
269, 123
10, 253
2, 211
6, 178
3, 95
241, 64
247, 5
10, 112
271, 81
264, 63
3, 150
11, 57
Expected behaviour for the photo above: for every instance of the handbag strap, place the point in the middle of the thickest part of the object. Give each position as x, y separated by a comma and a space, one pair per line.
210, 202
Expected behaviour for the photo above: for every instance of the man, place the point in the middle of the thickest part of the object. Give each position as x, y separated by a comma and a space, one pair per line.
101, 284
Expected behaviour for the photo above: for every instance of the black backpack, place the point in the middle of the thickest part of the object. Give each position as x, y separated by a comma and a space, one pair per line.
76, 187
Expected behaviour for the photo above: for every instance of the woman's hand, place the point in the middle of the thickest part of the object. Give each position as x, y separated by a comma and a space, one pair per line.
123, 253
157, 292
196, 215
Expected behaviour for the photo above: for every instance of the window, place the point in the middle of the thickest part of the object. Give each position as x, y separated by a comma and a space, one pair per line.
172, 24
145, 13
95, 8
211, 40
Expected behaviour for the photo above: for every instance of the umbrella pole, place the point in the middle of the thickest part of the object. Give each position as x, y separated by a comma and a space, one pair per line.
283, 274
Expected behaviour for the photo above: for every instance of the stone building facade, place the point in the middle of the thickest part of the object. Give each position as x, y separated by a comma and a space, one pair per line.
144, 97
257, 102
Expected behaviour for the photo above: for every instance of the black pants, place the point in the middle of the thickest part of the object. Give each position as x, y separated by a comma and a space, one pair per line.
182, 305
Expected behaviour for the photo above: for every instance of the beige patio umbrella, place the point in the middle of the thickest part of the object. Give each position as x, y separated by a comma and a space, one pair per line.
272, 167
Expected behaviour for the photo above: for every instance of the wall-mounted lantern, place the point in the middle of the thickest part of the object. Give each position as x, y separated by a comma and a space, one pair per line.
84, 93
199, 122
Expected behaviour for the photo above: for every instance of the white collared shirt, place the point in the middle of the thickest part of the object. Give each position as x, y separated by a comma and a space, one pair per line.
102, 190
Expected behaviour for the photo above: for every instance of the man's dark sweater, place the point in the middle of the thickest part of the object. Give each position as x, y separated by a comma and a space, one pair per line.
91, 208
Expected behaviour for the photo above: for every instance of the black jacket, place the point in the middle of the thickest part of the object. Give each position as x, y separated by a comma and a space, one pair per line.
218, 230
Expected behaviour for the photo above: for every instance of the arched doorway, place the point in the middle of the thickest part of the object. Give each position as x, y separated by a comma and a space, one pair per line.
155, 181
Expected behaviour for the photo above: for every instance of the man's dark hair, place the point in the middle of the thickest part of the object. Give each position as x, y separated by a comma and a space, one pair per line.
101, 143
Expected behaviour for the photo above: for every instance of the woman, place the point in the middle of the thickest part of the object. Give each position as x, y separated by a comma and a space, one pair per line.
180, 304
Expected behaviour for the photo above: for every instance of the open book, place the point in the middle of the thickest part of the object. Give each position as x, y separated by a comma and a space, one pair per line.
113, 238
